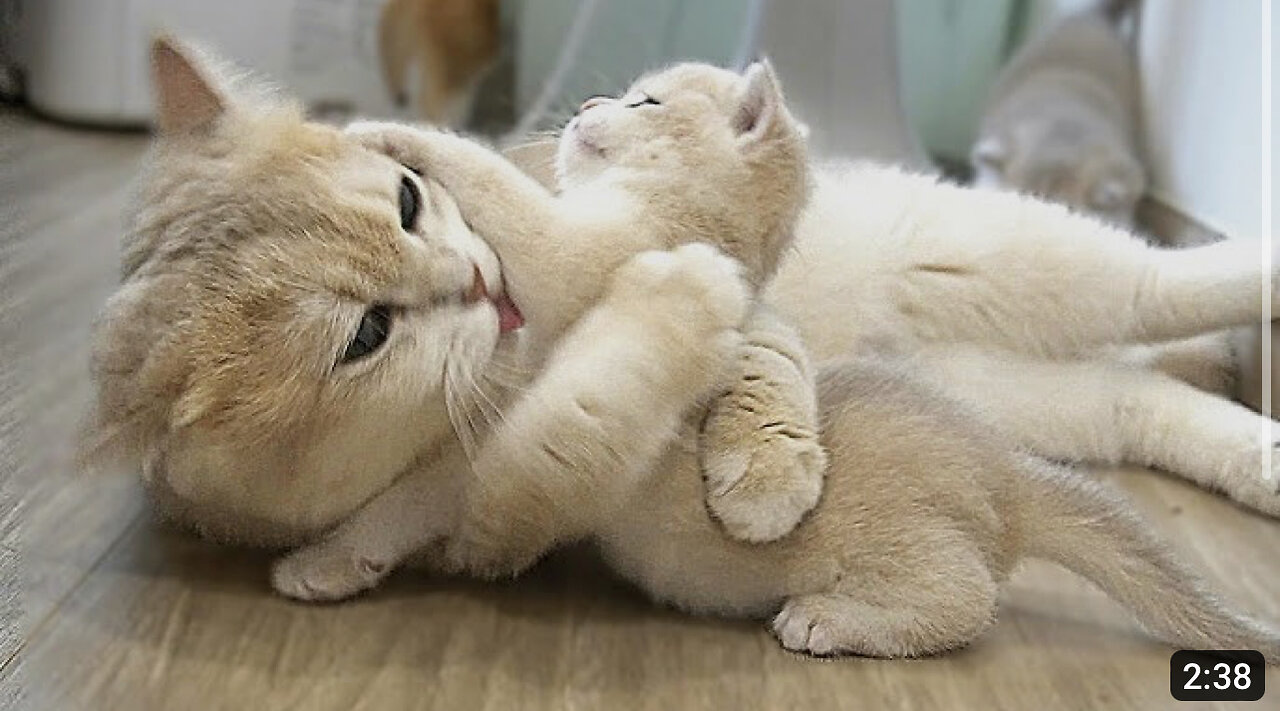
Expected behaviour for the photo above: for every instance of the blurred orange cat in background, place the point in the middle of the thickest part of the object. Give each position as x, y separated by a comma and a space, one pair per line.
448, 45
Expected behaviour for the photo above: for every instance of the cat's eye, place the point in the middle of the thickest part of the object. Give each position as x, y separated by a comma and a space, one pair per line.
371, 334
410, 203
645, 100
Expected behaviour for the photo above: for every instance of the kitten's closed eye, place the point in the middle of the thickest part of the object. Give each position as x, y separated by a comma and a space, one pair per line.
645, 100
371, 334
410, 203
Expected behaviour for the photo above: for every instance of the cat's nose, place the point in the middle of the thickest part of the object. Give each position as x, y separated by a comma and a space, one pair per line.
593, 101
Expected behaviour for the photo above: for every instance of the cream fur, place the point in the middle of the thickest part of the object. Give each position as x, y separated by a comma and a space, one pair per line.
1052, 313
225, 333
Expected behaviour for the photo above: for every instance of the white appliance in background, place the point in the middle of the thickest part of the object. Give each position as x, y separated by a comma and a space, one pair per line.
86, 60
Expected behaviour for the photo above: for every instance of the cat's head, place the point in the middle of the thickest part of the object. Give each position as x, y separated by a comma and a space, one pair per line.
1065, 163
717, 147
294, 309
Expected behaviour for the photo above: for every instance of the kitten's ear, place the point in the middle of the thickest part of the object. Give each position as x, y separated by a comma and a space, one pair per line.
187, 96
1119, 189
990, 152
1111, 193
760, 106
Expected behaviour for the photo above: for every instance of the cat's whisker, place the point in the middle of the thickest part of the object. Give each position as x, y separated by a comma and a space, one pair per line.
456, 411
509, 374
498, 417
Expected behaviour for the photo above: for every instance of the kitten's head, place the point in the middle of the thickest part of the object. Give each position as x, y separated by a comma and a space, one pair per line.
294, 308
717, 151
1065, 163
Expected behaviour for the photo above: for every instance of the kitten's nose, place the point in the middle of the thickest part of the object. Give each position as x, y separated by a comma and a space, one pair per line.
593, 101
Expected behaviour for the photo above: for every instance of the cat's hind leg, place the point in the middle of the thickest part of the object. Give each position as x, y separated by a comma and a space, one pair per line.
922, 611
1108, 412
1054, 284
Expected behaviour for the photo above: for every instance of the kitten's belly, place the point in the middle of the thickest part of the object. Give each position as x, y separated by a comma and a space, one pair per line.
909, 471
665, 542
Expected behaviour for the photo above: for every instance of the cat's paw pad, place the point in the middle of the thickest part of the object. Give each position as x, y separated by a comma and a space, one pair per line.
809, 625
325, 572
760, 492
707, 285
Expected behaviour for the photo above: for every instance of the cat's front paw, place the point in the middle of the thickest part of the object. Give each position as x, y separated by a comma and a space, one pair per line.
326, 571
1252, 475
760, 487
694, 287
407, 145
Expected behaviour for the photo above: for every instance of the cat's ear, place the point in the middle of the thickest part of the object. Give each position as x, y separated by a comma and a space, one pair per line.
188, 98
1119, 189
760, 104
1111, 193
990, 152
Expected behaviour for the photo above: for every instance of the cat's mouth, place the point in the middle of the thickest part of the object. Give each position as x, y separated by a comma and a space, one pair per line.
509, 316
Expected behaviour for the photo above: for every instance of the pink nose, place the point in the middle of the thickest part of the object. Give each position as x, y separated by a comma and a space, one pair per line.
593, 101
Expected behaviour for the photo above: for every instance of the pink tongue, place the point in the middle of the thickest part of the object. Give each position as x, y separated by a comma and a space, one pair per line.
509, 316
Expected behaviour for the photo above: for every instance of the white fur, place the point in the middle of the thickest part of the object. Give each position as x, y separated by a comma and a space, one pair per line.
1018, 306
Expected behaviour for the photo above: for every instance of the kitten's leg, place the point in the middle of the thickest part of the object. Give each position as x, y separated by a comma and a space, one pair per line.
934, 605
761, 459
498, 201
1106, 412
418, 509
610, 401
1058, 284
519, 218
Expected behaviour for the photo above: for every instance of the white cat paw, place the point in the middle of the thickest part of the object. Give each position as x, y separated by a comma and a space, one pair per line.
326, 571
695, 281
809, 625
760, 492
1254, 481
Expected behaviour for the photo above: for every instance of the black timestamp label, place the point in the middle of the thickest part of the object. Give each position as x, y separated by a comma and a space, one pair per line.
1199, 675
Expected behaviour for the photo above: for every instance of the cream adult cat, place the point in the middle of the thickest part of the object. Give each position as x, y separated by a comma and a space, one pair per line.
233, 166
248, 365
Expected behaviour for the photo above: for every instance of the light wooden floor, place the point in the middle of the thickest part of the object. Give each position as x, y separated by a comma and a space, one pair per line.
120, 613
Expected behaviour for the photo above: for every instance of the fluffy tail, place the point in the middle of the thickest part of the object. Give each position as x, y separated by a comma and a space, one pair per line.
1081, 525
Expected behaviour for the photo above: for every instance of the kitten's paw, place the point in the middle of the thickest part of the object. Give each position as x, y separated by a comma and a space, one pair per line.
694, 286
811, 624
414, 147
326, 571
760, 491
1251, 479
390, 139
